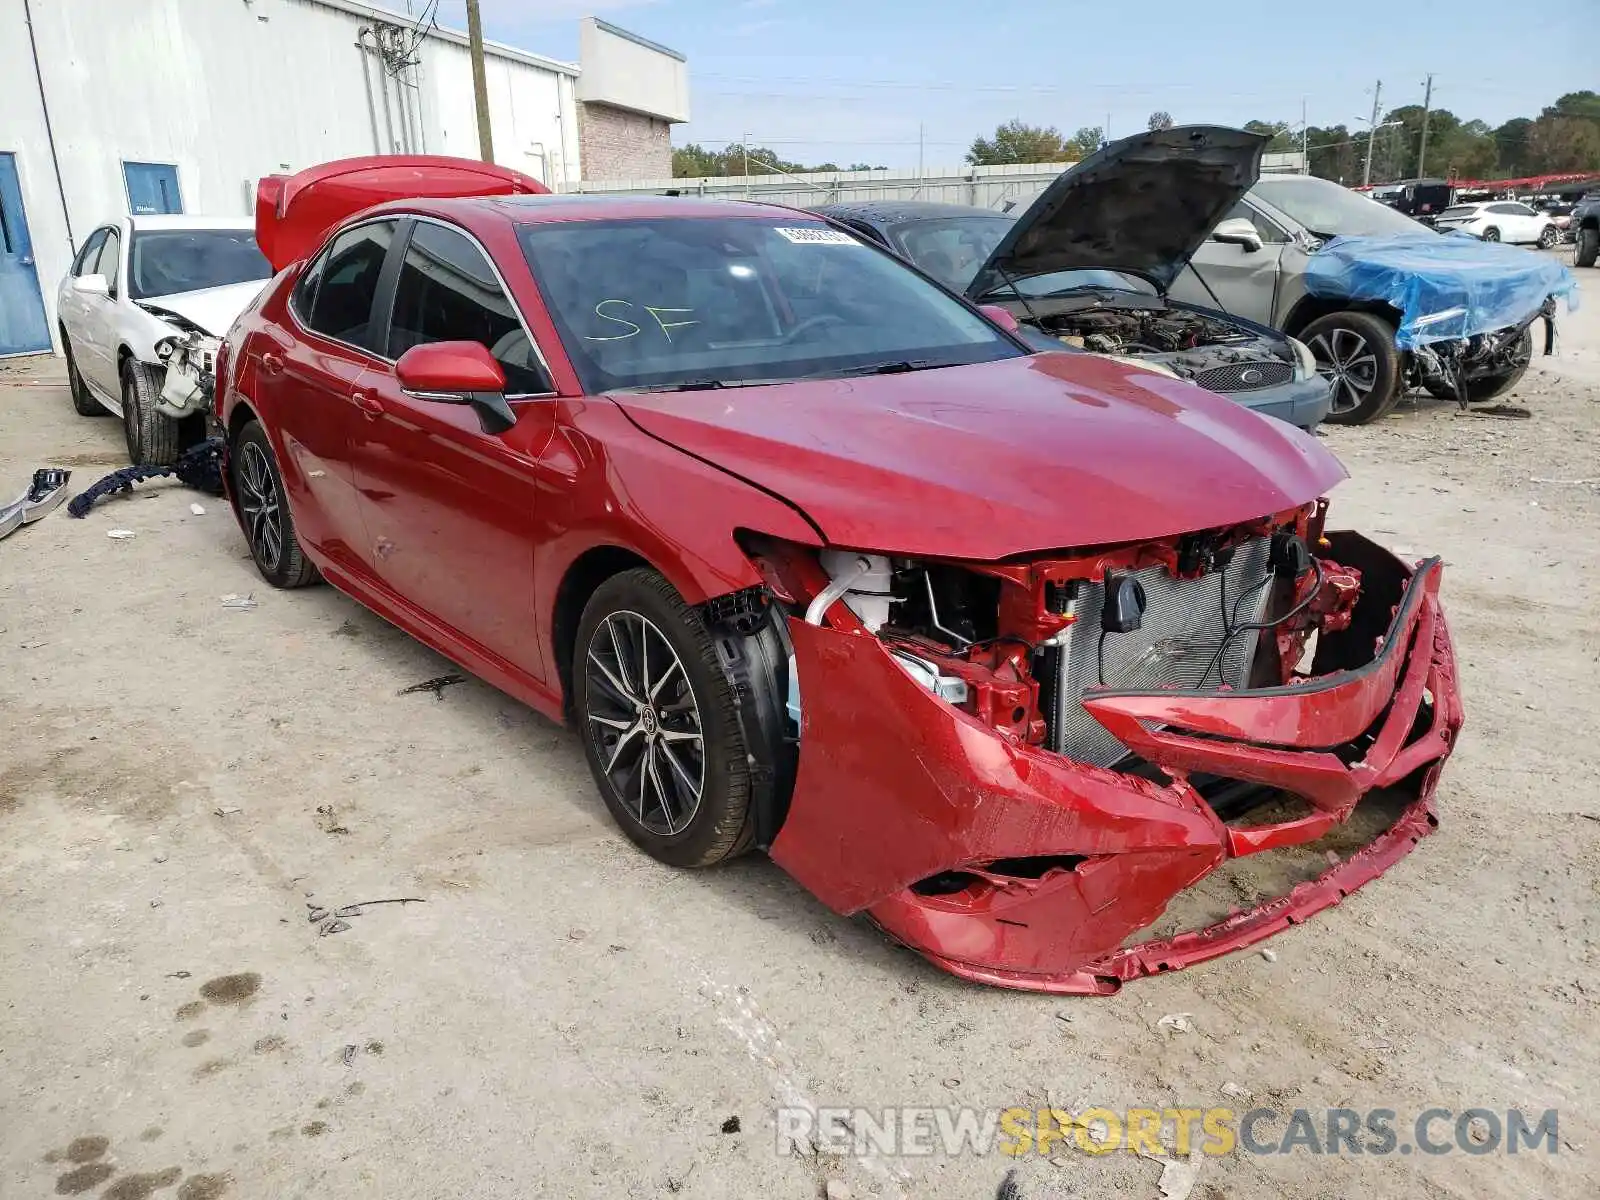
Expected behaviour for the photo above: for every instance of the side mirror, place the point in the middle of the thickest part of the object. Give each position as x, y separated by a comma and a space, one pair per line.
91, 285
1238, 231
1001, 316
458, 373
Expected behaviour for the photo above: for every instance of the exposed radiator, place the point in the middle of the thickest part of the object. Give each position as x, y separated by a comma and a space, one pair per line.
1184, 624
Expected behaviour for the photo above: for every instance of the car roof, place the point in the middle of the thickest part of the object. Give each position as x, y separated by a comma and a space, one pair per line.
535, 209
180, 221
900, 212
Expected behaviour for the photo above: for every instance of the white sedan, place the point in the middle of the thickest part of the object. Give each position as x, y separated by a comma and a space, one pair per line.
1501, 221
142, 311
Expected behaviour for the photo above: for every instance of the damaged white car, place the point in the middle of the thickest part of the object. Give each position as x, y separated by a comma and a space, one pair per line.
142, 312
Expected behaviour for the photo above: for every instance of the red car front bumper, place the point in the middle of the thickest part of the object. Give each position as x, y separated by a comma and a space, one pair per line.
896, 788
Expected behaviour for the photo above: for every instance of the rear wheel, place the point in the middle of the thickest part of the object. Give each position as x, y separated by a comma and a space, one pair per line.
659, 723
1588, 247
1355, 352
154, 438
264, 511
83, 401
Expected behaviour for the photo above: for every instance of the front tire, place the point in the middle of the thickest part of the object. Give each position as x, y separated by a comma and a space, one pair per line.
1548, 237
1587, 247
1491, 234
1355, 352
264, 511
1490, 387
659, 722
83, 401
154, 439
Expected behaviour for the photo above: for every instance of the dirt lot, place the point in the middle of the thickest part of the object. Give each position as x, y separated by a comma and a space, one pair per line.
180, 782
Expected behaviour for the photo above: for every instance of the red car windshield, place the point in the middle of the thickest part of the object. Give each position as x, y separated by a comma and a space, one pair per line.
712, 301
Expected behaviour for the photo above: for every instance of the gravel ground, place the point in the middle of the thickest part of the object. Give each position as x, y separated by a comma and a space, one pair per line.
180, 782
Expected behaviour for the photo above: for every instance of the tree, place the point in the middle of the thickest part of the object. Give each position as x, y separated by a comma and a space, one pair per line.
1282, 140
1511, 146
1160, 119
867, 167
1558, 144
1584, 105
1016, 142
1085, 142
695, 161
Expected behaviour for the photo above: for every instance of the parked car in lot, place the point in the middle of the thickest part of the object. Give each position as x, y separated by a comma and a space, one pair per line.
1584, 225
1291, 254
1002, 648
1088, 264
1501, 221
142, 311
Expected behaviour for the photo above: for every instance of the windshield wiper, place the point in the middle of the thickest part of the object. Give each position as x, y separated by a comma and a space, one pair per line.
898, 367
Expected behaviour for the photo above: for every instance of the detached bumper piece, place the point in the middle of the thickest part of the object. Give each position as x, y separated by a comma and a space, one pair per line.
1008, 864
47, 489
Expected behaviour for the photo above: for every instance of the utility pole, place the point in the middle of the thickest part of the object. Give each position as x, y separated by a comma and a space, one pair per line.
1427, 106
480, 82
1372, 130
1305, 138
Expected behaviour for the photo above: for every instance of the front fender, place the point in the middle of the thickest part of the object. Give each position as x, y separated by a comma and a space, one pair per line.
609, 484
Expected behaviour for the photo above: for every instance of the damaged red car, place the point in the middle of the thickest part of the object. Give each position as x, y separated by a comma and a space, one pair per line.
1005, 649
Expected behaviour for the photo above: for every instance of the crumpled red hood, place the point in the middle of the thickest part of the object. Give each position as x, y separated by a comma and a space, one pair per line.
1003, 458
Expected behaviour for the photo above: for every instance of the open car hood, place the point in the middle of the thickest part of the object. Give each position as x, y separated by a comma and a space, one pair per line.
981, 462
210, 310
1142, 205
295, 212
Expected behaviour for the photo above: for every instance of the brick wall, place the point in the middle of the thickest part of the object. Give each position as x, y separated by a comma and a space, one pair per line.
617, 144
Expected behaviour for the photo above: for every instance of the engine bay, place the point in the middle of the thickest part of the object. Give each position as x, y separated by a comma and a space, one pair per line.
1186, 342
1017, 645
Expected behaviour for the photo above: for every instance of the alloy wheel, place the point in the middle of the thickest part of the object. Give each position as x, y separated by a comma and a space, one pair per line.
1348, 363
261, 506
644, 721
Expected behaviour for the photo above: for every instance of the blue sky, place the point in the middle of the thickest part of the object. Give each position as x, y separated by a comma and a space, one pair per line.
846, 81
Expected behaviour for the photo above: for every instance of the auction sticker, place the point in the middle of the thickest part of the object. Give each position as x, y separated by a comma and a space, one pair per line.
816, 237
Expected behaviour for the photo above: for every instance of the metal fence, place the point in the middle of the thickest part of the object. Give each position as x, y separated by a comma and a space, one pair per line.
983, 187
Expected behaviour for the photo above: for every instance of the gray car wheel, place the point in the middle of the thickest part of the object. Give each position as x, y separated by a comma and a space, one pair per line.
1356, 354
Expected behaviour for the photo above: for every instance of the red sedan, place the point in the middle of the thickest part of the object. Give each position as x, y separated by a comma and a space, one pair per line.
1006, 649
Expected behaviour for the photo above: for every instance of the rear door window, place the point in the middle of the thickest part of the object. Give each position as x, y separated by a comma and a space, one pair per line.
349, 269
448, 292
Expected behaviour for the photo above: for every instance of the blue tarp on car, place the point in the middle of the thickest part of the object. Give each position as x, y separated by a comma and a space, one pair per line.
1444, 286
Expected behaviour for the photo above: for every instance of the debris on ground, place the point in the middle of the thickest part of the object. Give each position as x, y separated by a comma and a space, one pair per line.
436, 685
228, 812
328, 822
200, 467
232, 600
198, 510
1178, 1176
1269, 955
1177, 1022
731, 1125
1236, 1092
836, 1189
332, 920
121, 535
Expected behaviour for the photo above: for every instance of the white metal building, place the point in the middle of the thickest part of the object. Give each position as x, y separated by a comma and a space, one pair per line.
116, 106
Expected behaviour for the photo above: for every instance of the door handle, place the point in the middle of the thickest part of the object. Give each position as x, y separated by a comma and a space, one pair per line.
370, 405
272, 363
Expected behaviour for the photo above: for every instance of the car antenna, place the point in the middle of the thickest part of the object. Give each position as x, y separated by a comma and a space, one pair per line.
1017, 292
